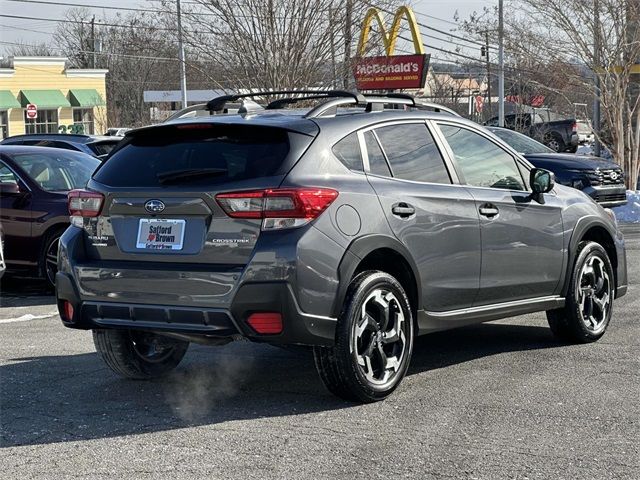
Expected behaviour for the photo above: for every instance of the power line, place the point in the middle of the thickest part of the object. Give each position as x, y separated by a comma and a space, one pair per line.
83, 22
389, 12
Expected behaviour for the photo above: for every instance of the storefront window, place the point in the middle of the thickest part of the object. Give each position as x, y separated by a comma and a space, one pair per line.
4, 124
83, 117
47, 122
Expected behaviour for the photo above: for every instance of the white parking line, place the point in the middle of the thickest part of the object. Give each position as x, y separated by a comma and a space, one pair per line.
27, 317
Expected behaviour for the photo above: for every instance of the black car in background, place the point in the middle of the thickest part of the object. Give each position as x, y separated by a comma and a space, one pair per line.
601, 179
98, 146
34, 182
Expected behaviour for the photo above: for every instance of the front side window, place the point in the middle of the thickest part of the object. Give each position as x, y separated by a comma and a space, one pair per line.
377, 163
59, 171
412, 153
6, 175
348, 152
83, 120
481, 161
47, 122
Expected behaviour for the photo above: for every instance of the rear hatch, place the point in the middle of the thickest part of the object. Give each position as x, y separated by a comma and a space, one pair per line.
158, 235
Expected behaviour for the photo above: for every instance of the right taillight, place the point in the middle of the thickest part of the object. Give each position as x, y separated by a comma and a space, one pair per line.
278, 208
83, 203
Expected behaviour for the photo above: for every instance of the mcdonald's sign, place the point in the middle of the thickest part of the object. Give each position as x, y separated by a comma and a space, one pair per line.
390, 71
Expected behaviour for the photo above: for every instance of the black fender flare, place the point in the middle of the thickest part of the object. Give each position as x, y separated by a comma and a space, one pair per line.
583, 225
357, 251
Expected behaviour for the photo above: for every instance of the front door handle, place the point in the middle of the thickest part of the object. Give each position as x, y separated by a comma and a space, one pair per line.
489, 210
403, 210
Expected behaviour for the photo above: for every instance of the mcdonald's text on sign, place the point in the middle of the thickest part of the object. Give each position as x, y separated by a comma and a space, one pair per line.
391, 72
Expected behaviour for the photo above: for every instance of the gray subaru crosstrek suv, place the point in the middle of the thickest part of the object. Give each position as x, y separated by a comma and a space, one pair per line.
351, 226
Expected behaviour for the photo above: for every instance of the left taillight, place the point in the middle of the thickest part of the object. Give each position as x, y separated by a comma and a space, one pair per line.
278, 208
83, 203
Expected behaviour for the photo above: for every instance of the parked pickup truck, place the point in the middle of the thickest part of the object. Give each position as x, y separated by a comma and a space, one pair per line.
558, 135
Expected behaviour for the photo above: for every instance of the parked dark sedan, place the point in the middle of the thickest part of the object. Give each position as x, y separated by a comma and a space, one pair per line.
34, 182
94, 145
601, 179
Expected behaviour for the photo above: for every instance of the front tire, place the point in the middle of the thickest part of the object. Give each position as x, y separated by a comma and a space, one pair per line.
139, 355
589, 303
374, 340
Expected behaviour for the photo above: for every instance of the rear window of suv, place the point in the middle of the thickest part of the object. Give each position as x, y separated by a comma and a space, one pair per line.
223, 152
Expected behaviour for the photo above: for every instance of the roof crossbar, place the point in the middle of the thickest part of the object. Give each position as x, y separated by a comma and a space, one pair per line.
218, 103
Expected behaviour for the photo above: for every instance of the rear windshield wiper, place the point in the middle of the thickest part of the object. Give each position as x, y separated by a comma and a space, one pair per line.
173, 176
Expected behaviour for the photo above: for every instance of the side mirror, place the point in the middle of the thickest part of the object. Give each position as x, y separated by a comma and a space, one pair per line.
9, 189
541, 181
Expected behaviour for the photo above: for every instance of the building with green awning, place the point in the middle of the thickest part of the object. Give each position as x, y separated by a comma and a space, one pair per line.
68, 100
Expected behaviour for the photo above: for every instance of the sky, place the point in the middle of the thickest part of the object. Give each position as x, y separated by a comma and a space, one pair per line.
33, 31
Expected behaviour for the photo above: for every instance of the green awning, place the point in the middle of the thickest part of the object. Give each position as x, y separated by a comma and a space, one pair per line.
7, 100
44, 98
85, 97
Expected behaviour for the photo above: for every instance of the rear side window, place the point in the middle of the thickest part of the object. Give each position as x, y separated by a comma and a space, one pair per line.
200, 155
412, 153
377, 163
348, 152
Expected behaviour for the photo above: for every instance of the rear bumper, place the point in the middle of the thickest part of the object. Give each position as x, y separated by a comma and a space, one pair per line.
298, 327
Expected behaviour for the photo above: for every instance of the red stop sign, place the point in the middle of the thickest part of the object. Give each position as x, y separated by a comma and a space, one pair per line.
32, 111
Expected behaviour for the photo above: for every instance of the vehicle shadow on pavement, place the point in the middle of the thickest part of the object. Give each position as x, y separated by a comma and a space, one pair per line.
442, 349
24, 292
52, 399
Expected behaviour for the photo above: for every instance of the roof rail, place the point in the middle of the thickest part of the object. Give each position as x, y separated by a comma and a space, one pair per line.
376, 103
218, 103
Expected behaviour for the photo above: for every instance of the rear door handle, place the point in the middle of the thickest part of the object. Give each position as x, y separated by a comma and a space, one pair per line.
489, 210
403, 210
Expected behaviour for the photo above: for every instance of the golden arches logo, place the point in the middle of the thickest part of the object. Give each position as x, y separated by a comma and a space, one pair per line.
390, 38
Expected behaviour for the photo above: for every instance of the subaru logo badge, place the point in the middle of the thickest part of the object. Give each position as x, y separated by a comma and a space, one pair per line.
154, 206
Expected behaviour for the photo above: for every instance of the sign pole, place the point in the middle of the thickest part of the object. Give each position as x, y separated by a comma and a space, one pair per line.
183, 69
501, 63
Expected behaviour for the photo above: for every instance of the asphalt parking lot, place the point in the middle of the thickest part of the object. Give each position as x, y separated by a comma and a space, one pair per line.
499, 400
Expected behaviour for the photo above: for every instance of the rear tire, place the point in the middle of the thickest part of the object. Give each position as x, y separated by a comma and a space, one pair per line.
555, 143
138, 355
49, 256
589, 303
374, 340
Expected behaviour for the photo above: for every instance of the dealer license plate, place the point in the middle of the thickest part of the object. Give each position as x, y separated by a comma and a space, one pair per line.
160, 234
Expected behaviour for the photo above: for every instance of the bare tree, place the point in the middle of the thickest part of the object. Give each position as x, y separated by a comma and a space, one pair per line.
273, 44
22, 49
137, 51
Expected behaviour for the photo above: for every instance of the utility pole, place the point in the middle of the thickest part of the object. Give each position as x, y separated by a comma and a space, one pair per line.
346, 74
597, 148
93, 42
183, 69
488, 57
501, 63
334, 70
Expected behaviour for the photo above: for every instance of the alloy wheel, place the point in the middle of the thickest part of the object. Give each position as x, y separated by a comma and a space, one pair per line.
379, 339
51, 260
594, 294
